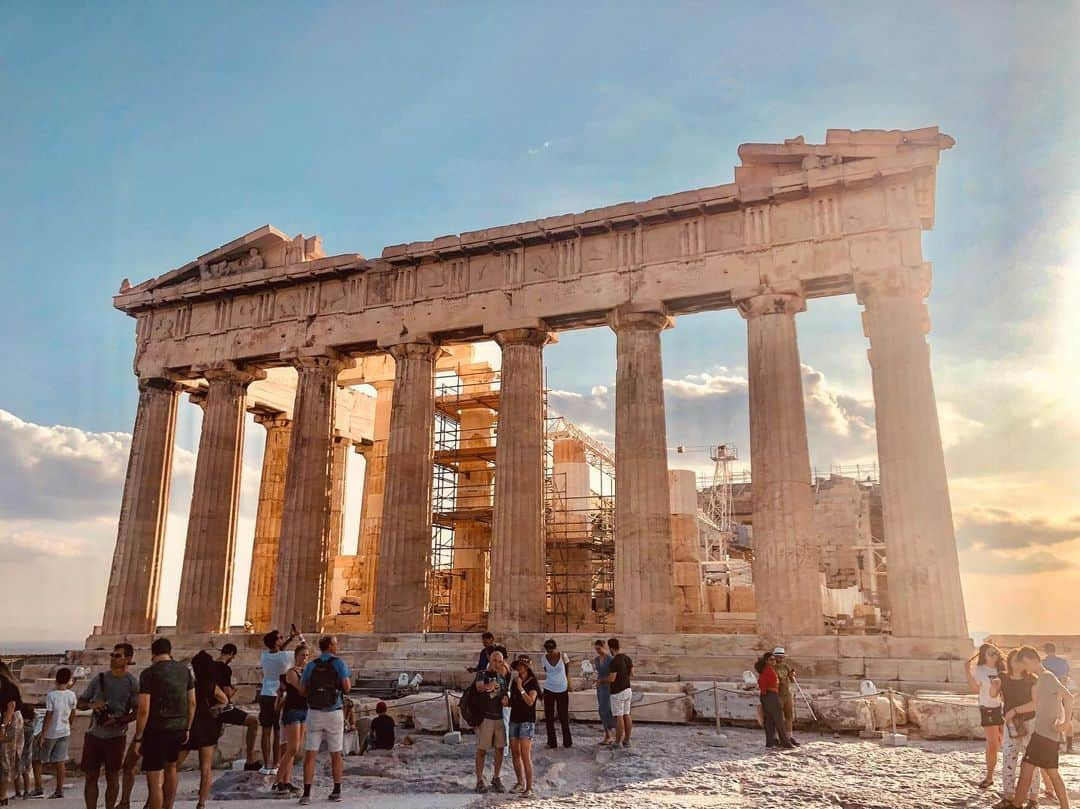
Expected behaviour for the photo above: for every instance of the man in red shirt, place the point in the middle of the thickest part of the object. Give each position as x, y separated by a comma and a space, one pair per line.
776, 734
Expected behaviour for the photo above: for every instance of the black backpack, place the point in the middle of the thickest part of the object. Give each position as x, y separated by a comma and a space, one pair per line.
324, 685
471, 706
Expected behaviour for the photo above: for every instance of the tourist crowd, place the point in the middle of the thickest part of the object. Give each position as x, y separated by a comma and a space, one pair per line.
303, 705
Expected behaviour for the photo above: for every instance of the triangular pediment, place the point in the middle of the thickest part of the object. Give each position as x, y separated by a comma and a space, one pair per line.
258, 250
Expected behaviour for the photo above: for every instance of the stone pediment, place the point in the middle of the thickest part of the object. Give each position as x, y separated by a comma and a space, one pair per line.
260, 249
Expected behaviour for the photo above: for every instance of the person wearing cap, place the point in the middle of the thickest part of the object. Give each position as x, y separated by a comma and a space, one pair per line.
381, 734
785, 671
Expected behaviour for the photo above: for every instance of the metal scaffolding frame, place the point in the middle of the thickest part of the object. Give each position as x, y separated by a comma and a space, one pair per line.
582, 524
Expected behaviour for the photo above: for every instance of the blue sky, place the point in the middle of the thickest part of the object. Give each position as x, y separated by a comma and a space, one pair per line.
138, 136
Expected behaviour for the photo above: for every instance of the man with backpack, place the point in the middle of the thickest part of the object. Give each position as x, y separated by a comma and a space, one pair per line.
113, 696
323, 682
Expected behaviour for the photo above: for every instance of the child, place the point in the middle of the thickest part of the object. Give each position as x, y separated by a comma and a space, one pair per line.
1053, 706
22, 772
52, 746
381, 735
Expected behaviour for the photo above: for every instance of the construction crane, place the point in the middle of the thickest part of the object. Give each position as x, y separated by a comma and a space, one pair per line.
720, 508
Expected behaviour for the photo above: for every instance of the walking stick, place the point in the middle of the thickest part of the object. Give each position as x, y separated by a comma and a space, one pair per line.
809, 707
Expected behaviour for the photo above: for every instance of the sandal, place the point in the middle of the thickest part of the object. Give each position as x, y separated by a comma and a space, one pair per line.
986, 783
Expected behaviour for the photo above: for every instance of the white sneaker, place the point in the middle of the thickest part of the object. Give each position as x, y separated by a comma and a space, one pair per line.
268, 771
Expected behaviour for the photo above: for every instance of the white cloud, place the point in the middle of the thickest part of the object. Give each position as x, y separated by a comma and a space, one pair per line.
541, 148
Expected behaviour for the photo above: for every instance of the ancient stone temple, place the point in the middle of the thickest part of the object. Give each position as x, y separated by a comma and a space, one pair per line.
273, 325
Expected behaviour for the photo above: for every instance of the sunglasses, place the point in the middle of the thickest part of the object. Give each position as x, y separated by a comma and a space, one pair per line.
117, 654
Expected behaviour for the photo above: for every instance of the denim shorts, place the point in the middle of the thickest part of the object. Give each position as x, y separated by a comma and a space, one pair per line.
293, 716
522, 730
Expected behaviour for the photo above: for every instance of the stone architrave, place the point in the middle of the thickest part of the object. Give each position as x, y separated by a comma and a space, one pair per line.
787, 585
305, 519
335, 528
401, 593
132, 598
518, 592
372, 508
264, 554
920, 546
644, 590
207, 576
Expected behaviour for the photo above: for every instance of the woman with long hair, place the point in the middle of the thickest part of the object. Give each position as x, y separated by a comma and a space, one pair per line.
984, 671
210, 700
1017, 690
602, 665
11, 730
524, 690
294, 710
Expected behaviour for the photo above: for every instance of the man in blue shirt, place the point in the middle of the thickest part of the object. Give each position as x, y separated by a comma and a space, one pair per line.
323, 682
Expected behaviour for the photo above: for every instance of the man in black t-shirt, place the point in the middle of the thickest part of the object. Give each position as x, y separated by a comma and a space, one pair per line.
234, 715
381, 734
163, 721
621, 695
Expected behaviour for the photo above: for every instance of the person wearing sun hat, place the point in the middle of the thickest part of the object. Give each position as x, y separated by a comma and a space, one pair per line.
786, 672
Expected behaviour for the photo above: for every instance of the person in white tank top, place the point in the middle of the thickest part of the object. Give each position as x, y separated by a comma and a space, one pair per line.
556, 693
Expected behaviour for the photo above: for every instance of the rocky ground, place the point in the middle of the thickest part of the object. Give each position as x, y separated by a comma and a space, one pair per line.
667, 767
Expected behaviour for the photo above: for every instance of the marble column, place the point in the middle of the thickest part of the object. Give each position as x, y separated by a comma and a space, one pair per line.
207, 576
926, 598
517, 587
264, 554
787, 587
401, 593
132, 598
371, 509
305, 518
644, 589
336, 526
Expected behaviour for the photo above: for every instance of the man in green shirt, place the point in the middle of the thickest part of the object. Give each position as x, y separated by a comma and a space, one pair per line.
163, 721
786, 672
113, 696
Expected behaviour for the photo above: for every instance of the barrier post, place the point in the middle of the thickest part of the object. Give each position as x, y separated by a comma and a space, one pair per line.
716, 703
449, 712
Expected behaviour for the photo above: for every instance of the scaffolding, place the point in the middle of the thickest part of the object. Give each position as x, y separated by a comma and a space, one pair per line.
466, 407
579, 533
579, 528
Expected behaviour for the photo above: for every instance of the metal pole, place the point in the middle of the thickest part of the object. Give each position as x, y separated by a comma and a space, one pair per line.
449, 712
892, 713
716, 703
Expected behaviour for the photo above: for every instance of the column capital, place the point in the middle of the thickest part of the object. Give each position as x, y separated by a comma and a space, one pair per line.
423, 349
897, 282
275, 420
325, 358
639, 317
532, 337
382, 384
229, 372
766, 301
159, 383
198, 397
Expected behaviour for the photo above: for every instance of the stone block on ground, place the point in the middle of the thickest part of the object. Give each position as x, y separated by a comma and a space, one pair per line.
946, 716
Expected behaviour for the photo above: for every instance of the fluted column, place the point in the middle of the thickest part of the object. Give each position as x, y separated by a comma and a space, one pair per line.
644, 590
336, 525
372, 508
925, 594
517, 590
787, 586
264, 554
401, 594
132, 598
207, 575
305, 518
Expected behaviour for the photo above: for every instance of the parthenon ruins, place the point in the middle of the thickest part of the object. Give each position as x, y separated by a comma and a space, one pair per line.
270, 324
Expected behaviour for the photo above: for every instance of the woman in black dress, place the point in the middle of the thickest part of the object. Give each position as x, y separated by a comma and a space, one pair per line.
206, 726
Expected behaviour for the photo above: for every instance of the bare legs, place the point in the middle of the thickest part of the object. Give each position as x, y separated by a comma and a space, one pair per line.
90, 788
521, 750
993, 745
623, 727
294, 739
